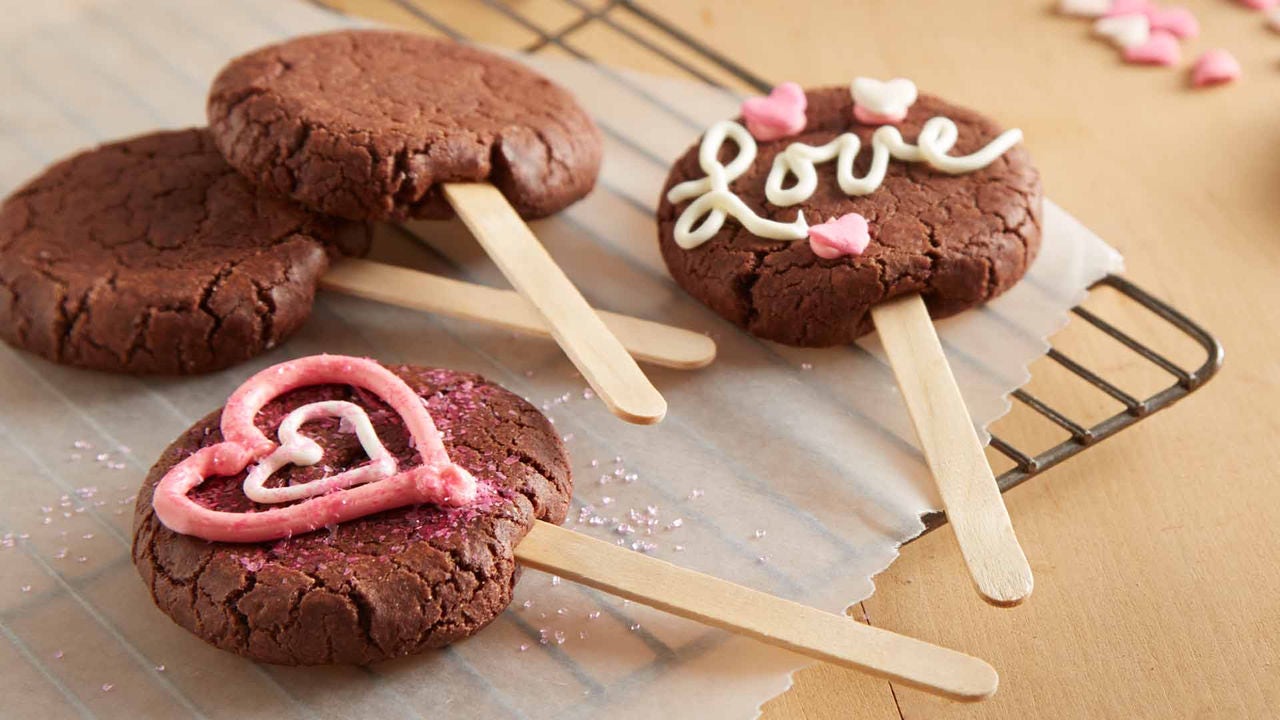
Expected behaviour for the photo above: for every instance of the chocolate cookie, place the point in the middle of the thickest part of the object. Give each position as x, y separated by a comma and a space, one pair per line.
152, 255
379, 587
959, 240
365, 124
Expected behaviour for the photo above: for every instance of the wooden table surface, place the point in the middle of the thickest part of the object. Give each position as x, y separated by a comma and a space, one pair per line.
1155, 553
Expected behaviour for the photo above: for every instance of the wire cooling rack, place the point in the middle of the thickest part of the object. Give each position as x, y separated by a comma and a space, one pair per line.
644, 30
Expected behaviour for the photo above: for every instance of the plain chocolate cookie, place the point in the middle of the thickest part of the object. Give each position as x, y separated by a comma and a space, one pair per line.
152, 255
380, 587
365, 124
959, 240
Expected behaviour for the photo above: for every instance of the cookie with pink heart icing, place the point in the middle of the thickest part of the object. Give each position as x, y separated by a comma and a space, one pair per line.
340, 511
875, 190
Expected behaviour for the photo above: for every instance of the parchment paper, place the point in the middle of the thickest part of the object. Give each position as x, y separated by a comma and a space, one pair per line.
791, 471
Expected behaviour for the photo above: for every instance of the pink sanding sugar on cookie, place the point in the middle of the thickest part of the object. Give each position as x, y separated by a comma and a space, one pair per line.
846, 235
1215, 67
1161, 48
779, 114
437, 480
1178, 21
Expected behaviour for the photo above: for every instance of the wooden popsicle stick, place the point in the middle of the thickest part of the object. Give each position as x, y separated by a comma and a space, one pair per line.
968, 488
598, 355
646, 341
783, 623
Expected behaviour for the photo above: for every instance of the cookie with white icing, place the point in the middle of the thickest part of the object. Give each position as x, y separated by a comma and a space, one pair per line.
951, 202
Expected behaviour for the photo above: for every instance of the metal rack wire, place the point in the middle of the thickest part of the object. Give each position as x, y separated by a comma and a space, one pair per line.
657, 36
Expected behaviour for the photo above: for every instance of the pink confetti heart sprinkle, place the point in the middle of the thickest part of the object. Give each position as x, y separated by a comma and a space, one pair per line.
779, 115
1178, 21
846, 235
1130, 7
1215, 67
1161, 48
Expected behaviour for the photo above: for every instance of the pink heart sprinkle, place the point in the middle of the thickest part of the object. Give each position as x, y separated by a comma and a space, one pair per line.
846, 235
779, 115
1215, 67
1259, 4
1161, 49
1179, 21
1130, 7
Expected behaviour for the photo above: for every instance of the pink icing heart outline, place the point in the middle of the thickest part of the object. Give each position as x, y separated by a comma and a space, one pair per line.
438, 480
1161, 49
778, 115
1215, 67
846, 235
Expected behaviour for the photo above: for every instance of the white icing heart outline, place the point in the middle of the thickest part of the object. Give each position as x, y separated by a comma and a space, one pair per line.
891, 98
300, 450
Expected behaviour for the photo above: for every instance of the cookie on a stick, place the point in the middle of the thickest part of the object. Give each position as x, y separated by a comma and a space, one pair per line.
152, 255
338, 511
823, 214
385, 125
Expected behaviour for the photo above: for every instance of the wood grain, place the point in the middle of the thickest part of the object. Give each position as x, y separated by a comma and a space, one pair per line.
404, 287
591, 347
945, 431
1153, 552
789, 625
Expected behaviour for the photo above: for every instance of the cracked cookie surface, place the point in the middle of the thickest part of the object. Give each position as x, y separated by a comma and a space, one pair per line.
959, 240
152, 255
366, 124
380, 587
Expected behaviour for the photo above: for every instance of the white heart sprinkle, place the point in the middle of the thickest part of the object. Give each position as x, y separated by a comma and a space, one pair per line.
1084, 8
1124, 31
891, 98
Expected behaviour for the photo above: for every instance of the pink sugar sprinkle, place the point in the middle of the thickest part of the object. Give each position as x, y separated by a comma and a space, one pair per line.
57, 654
108, 687
160, 668
555, 579
26, 588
